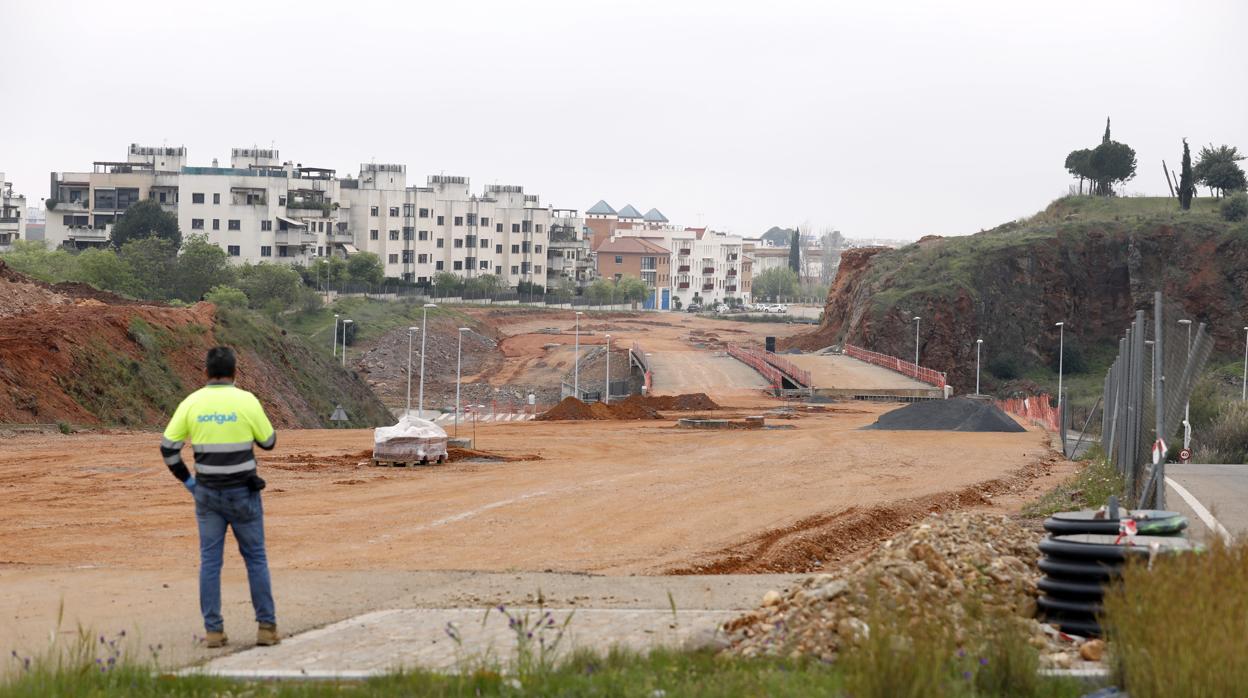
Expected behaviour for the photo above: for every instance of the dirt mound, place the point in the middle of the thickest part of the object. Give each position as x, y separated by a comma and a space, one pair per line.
571, 409
957, 414
20, 294
678, 403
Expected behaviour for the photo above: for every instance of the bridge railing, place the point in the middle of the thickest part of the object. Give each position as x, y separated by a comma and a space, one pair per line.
639, 355
756, 361
800, 375
892, 363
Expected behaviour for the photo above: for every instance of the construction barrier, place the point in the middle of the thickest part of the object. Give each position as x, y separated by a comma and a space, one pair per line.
756, 361
892, 363
1035, 409
639, 355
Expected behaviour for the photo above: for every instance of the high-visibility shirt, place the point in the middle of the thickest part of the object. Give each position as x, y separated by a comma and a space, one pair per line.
222, 423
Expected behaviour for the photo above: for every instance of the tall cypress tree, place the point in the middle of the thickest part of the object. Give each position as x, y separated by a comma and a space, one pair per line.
1106, 139
1187, 183
795, 252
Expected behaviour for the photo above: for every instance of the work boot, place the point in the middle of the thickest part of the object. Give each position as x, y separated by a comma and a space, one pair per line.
214, 640
267, 635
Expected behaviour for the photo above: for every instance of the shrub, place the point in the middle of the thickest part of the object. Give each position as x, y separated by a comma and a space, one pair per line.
226, 297
1226, 439
1073, 360
1006, 366
1235, 208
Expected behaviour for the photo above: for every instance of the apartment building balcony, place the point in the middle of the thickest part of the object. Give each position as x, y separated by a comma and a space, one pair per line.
683, 268
733, 257
732, 272
708, 287
294, 237
87, 234
685, 252
682, 285
69, 206
730, 289
10, 219
708, 270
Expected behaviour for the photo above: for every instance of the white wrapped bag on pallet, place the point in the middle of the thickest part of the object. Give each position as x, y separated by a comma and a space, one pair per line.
412, 439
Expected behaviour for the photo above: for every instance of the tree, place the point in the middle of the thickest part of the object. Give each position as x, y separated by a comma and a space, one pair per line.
226, 297
776, 282
483, 285
631, 289
1235, 208
201, 266
1216, 169
830, 247
448, 284
1079, 164
154, 262
365, 268
144, 220
325, 270
1187, 183
103, 269
795, 251
600, 291
271, 287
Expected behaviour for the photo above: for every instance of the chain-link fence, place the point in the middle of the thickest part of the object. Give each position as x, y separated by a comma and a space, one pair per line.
1145, 393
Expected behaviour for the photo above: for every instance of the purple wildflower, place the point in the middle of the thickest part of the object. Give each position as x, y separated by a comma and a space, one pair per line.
961, 652
966, 675
983, 661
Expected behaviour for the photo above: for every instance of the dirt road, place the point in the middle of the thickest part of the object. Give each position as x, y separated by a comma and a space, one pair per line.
603, 497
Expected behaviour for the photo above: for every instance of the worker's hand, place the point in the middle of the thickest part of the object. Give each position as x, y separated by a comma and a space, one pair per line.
189, 484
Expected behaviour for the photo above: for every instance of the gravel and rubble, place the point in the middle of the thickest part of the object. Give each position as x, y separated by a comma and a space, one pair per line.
943, 565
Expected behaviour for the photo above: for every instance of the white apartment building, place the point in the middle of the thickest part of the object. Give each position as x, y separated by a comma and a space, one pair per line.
263, 209
12, 214
709, 265
568, 255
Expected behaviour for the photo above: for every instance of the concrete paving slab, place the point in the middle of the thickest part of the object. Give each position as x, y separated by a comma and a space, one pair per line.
456, 638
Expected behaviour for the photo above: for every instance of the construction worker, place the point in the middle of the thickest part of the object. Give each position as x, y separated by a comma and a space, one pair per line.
222, 423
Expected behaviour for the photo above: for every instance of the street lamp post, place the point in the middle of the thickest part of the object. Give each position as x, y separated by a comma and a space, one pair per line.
408, 411
979, 343
345, 322
1061, 358
1244, 394
576, 361
606, 393
335, 340
916, 342
1187, 408
459, 353
424, 317
1152, 369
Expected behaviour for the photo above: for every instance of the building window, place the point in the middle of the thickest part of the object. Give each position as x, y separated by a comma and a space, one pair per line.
197, 198
524, 226
619, 259
537, 269
283, 251
515, 249
407, 256
216, 198
459, 220
470, 218
438, 265
498, 228
197, 224
515, 269
372, 211
422, 235
394, 235
515, 227
266, 225
233, 250
485, 265
394, 259
485, 221
235, 224
537, 249
266, 251
216, 223
373, 234
408, 210
485, 243
320, 252
424, 213
408, 233
498, 271
441, 242
281, 201
537, 228
441, 220
459, 266
423, 259
394, 211
459, 242
498, 249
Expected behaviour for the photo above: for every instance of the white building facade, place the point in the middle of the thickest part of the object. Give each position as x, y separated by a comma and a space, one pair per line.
12, 214
263, 209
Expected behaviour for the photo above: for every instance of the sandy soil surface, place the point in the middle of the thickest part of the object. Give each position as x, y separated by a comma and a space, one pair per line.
835, 371
716, 374
597, 497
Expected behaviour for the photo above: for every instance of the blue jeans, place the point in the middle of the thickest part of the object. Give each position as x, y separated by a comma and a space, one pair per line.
239, 508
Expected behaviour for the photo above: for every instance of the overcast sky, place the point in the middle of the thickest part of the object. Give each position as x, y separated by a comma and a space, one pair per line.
881, 119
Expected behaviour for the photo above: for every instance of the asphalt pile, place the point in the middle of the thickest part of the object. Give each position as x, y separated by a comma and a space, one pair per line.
571, 409
955, 414
935, 570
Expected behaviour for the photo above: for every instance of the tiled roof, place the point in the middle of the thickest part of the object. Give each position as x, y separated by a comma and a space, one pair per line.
654, 216
602, 207
632, 245
629, 212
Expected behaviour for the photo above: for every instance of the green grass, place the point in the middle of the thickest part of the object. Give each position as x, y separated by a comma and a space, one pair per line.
1091, 487
1176, 627
373, 318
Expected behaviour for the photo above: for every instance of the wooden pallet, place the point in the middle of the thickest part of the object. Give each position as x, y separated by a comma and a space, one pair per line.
410, 463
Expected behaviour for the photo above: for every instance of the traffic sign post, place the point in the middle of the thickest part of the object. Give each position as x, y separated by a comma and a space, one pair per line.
1185, 455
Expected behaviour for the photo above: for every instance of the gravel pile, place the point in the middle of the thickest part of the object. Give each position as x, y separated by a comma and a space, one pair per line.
940, 565
955, 414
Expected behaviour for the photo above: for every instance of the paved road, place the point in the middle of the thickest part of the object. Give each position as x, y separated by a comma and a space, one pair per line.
714, 373
838, 371
1221, 490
